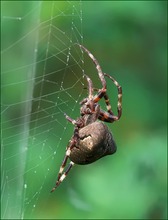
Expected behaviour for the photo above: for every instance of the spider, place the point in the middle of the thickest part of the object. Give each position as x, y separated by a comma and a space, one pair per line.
91, 139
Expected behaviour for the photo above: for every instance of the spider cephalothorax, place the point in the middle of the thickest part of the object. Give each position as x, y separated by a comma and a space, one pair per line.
91, 139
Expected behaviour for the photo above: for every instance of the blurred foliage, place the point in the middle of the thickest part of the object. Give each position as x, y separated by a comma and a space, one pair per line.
129, 39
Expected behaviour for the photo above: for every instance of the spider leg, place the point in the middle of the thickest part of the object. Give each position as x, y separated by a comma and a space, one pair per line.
102, 92
119, 88
109, 116
90, 87
107, 101
108, 106
99, 70
61, 175
70, 119
73, 142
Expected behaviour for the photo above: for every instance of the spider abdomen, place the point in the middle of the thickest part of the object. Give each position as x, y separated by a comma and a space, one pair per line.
95, 141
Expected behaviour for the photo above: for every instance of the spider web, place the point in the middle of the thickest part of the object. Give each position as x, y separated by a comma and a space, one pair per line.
42, 77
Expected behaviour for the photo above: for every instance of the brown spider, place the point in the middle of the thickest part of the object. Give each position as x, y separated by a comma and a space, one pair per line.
91, 139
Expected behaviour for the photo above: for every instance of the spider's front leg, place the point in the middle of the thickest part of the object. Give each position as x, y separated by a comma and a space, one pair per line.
109, 115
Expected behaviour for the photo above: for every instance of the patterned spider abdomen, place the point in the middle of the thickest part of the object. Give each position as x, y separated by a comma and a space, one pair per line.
95, 141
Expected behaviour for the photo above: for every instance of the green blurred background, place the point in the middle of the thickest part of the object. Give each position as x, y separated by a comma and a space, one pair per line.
129, 39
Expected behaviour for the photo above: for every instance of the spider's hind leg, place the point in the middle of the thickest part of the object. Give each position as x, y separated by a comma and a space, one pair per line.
73, 143
62, 176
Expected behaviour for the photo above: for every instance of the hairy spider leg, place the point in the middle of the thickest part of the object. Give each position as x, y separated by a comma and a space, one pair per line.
107, 101
107, 116
90, 87
70, 119
91, 99
108, 106
102, 92
73, 142
63, 176
99, 70
119, 88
